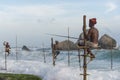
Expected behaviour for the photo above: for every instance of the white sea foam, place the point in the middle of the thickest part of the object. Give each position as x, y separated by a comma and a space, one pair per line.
33, 63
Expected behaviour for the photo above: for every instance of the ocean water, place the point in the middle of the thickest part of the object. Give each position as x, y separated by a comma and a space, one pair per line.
106, 65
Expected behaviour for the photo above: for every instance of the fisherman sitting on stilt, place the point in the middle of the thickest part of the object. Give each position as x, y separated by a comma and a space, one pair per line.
7, 47
91, 37
56, 49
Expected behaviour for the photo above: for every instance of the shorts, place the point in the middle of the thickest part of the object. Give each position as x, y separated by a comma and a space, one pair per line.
88, 43
7, 50
91, 44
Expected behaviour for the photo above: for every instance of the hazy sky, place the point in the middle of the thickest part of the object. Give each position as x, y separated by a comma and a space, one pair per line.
29, 20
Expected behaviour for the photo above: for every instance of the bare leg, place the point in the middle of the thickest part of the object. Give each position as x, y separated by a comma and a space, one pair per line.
91, 54
57, 53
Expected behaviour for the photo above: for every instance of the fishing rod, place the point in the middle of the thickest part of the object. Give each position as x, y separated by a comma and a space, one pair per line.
62, 36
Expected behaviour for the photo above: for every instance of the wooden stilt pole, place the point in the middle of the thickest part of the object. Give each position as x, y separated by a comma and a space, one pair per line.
79, 59
53, 52
111, 60
44, 54
5, 61
16, 50
68, 49
85, 50
111, 55
4, 43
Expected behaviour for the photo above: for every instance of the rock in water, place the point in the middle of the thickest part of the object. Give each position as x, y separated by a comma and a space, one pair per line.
107, 42
65, 45
25, 48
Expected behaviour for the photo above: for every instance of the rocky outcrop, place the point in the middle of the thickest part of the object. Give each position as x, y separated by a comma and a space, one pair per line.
25, 48
107, 42
65, 45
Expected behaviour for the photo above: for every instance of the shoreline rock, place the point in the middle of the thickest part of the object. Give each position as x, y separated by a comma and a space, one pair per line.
25, 48
107, 42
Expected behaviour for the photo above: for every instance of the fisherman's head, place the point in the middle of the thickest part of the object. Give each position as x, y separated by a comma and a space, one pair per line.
92, 22
7, 43
56, 42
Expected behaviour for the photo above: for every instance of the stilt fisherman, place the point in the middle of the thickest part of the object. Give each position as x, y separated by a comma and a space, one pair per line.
91, 37
7, 47
56, 48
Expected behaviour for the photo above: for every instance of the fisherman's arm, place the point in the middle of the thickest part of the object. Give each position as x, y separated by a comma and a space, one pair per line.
88, 35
